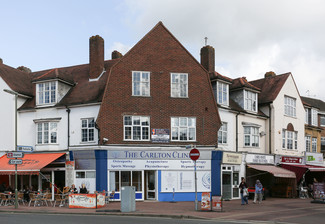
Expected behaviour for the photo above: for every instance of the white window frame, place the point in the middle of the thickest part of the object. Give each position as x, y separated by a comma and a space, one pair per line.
289, 106
308, 143
143, 83
314, 117
136, 123
181, 125
322, 120
306, 116
251, 133
42, 94
223, 133
44, 131
250, 101
89, 128
314, 144
289, 140
222, 93
176, 85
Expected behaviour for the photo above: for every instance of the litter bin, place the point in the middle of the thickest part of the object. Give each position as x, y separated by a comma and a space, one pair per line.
128, 199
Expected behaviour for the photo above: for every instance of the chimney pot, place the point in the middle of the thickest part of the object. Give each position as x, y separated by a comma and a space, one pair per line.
208, 58
116, 54
96, 56
1, 61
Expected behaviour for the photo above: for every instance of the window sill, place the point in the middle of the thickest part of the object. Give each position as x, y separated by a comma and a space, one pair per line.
130, 140
82, 143
141, 96
290, 116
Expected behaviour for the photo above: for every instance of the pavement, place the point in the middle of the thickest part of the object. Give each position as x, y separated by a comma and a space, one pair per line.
271, 210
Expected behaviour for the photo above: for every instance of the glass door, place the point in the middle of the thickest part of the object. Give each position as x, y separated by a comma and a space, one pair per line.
150, 176
235, 187
226, 185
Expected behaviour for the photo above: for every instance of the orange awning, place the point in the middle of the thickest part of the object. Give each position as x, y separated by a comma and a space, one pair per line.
32, 163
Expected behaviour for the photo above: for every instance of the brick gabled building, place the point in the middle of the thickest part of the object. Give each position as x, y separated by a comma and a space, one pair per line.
159, 63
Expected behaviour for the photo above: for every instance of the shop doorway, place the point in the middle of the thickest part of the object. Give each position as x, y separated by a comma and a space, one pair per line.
150, 185
226, 185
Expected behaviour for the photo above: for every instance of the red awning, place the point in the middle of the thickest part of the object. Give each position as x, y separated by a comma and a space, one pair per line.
276, 171
32, 163
300, 170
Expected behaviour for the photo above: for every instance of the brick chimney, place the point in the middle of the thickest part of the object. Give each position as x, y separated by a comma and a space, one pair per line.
208, 58
1, 61
116, 54
24, 69
96, 56
269, 74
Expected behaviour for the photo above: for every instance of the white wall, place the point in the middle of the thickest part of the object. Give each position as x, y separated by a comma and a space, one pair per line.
280, 121
27, 126
76, 114
7, 118
263, 140
228, 117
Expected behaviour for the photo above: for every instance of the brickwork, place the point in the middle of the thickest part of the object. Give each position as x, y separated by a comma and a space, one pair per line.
96, 56
160, 54
208, 58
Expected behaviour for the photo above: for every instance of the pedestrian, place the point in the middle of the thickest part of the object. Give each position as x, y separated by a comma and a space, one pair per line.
258, 192
243, 192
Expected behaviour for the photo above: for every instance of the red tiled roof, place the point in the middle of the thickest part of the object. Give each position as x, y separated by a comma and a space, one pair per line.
270, 87
240, 83
216, 76
17, 80
82, 92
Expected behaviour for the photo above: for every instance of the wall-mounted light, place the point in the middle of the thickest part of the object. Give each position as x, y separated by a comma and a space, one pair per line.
262, 133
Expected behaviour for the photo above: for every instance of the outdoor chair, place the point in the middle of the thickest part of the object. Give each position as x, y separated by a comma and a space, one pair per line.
32, 198
58, 198
21, 198
4, 200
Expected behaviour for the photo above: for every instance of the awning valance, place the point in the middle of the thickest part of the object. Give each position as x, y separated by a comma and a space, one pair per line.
300, 170
276, 171
32, 163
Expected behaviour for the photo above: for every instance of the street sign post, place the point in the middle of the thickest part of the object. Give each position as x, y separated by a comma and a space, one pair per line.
22, 148
195, 155
15, 155
15, 161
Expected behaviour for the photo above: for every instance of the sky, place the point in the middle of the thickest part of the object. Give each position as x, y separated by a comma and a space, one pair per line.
250, 37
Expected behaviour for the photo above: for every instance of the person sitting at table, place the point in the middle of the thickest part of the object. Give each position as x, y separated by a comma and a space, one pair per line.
73, 189
9, 188
83, 189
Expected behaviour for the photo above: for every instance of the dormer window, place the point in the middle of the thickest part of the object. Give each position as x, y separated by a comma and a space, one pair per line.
222, 93
46, 93
250, 101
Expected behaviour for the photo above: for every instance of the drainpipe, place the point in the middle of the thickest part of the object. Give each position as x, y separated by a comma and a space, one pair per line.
68, 111
270, 128
237, 131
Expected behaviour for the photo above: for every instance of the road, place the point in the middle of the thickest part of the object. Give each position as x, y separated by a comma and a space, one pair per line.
12, 218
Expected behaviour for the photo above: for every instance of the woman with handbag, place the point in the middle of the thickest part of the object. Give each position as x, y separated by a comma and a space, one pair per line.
243, 191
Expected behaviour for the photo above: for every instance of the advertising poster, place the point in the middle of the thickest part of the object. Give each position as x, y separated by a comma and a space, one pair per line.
86, 200
205, 201
216, 203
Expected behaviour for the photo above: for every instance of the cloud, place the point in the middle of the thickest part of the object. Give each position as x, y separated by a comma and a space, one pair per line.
250, 37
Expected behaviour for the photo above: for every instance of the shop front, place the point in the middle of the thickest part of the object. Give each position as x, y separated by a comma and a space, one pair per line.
158, 174
277, 182
230, 175
37, 172
309, 170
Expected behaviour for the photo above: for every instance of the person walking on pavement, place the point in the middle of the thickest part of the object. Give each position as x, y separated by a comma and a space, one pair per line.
243, 192
258, 192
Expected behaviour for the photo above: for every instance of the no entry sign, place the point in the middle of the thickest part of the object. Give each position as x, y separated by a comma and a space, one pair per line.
194, 154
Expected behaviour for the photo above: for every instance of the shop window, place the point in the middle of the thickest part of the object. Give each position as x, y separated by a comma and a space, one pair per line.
125, 178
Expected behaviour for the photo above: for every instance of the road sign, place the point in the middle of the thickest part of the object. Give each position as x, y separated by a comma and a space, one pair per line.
15, 155
15, 161
22, 148
194, 154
